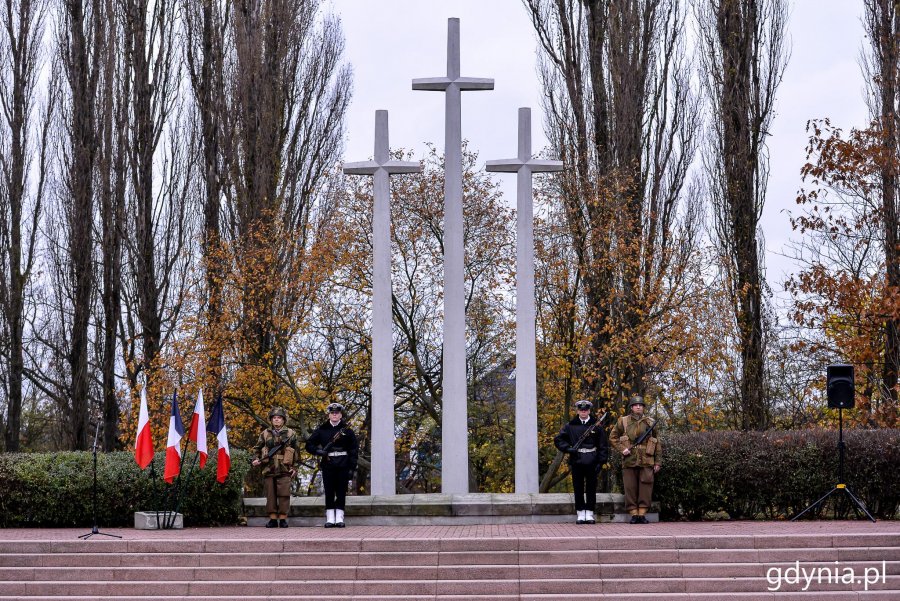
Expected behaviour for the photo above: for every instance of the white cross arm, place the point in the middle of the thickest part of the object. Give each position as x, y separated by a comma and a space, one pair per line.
370, 167
513, 165
440, 84
361, 168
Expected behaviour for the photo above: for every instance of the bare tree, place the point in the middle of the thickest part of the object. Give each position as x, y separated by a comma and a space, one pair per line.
743, 61
24, 158
111, 181
882, 66
81, 44
157, 197
206, 27
623, 117
289, 93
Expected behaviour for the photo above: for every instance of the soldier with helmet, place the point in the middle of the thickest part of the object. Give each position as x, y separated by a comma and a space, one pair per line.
635, 437
336, 445
278, 451
585, 441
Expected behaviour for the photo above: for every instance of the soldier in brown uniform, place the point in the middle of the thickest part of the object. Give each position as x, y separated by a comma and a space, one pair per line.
278, 452
640, 462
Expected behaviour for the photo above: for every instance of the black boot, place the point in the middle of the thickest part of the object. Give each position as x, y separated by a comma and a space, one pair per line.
282, 524
634, 519
272, 523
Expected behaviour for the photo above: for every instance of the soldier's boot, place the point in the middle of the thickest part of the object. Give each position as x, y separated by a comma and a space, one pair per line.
272, 523
580, 516
329, 518
339, 518
642, 518
589, 517
634, 517
282, 523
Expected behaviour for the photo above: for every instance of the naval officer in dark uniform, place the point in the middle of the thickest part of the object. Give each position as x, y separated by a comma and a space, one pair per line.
336, 446
585, 441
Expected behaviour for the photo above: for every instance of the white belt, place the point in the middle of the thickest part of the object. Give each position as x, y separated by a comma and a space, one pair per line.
591, 450
337, 453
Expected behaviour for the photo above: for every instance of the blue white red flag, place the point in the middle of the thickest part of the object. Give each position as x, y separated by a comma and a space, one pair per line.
217, 425
197, 433
173, 445
143, 444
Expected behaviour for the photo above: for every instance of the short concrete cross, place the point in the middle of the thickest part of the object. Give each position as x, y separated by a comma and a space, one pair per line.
383, 463
526, 364
454, 418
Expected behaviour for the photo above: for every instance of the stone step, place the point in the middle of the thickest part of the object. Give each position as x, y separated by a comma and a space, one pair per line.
451, 558
585, 541
820, 596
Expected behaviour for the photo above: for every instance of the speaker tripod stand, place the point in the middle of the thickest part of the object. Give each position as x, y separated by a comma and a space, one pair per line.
840, 486
96, 529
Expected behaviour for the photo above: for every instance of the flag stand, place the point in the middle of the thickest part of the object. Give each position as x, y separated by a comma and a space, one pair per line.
95, 529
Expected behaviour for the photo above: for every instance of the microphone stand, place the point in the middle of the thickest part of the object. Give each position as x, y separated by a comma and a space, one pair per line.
96, 529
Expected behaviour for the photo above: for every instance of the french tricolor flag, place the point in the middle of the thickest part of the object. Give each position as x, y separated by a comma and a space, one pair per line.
173, 446
197, 432
217, 425
143, 446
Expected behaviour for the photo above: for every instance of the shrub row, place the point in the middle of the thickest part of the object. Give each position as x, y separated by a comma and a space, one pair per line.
56, 490
776, 474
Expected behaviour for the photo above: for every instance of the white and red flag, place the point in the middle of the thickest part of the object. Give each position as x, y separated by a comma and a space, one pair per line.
173, 445
217, 426
197, 432
143, 444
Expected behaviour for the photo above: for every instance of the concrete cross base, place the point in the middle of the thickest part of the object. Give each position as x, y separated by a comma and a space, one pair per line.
445, 509
147, 520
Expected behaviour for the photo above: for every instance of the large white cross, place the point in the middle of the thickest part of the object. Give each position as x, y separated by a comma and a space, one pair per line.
383, 475
454, 415
526, 363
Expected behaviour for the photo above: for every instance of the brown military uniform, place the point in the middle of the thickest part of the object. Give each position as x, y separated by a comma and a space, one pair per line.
277, 468
637, 468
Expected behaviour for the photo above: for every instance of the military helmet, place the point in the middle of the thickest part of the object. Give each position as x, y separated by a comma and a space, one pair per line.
636, 400
583, 404
277, 411
334, 408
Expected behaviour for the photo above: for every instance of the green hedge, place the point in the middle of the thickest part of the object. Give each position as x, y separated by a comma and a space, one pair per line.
774, 475
55, 490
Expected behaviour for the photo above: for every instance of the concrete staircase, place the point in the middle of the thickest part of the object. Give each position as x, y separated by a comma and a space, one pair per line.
609, 562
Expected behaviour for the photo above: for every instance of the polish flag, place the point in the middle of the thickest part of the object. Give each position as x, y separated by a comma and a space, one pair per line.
197, 432
173, 446
143, 446
217, 425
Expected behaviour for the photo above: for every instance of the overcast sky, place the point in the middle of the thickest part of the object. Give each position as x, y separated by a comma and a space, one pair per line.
390, 42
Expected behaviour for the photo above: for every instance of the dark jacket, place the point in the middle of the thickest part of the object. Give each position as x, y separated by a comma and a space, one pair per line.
335, 451
594, 450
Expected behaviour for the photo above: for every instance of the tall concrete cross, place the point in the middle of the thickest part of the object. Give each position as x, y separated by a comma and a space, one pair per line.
383, 472
454, 419
526, 364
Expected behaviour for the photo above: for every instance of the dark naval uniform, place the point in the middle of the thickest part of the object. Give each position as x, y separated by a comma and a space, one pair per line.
278, 469
586, 460
640, 466
337, 447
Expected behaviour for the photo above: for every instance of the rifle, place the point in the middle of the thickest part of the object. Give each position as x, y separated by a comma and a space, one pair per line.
588, 432
272, 452
330, 444
642, 437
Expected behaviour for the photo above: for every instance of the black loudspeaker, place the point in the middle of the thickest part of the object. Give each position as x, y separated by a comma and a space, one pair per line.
840, 387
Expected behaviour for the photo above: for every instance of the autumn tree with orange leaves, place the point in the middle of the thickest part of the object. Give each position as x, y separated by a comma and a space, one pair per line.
842, 298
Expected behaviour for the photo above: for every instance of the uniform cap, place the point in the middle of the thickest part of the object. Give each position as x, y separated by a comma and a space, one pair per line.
278, 411
334, 407
583, 404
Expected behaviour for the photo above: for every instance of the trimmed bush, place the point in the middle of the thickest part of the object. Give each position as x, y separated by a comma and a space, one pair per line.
56, 490
774, 475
